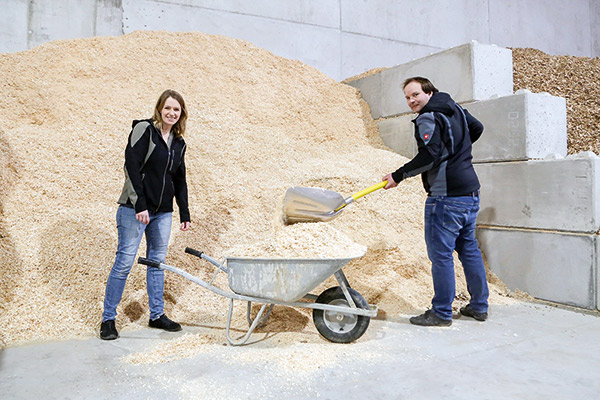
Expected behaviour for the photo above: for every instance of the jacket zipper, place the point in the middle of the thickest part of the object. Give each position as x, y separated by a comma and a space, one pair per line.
162, 191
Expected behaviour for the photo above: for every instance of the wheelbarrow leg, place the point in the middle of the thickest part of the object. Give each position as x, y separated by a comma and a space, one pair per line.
245, 338
263, 320
341, 278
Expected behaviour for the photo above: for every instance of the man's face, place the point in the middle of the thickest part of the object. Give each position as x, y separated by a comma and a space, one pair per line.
415, 97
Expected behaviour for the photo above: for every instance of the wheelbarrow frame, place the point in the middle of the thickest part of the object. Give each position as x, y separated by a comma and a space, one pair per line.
260, 320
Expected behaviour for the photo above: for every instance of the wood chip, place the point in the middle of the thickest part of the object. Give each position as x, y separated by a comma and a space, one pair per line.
575, 79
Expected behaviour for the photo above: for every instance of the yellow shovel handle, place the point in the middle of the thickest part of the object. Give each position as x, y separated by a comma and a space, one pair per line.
368, 190
361, 194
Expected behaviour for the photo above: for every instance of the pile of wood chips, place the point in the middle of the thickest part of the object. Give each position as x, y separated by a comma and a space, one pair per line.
575, 79
258, 125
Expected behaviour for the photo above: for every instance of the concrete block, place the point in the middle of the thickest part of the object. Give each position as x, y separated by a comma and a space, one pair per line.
553, 266
398, 134
597, 271
559, 194
520, 127
371, 89
469, 72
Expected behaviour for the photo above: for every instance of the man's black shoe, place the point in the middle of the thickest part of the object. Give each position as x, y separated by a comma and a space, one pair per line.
164, 323
108, 331
467, 311
430, 319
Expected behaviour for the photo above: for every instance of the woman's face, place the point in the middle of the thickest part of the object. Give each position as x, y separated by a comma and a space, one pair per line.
170, 112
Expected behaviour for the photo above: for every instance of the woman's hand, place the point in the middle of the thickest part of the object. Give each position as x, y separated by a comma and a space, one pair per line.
143, 217
390, 182
185, 225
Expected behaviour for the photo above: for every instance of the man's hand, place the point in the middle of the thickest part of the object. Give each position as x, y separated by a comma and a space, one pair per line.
143, 217
185, 226
390, 182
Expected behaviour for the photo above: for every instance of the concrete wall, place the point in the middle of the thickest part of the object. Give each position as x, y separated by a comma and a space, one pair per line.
342, 38
29, 23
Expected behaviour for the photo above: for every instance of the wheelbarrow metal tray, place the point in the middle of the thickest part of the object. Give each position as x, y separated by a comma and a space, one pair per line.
284, 280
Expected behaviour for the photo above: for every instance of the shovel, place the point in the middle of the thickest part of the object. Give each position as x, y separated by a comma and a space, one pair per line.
305, 204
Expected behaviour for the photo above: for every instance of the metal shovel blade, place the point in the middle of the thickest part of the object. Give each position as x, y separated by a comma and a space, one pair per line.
305, 204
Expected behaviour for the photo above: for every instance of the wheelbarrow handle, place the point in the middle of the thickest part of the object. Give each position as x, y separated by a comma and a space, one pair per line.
148, 262
204, 256
193, 252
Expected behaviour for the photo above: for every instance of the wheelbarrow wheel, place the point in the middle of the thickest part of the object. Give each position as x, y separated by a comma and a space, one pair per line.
336, 326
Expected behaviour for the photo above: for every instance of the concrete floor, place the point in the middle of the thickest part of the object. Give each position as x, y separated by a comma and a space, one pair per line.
524, 351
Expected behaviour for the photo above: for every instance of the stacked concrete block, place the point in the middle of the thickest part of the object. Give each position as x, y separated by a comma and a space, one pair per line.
469, 72
398, 134
558, 267
538, 226
554, 194
540, 210
522, 126
517, 127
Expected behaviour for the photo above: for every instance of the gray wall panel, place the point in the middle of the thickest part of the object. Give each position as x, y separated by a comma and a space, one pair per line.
553, 26
66, 19
342, 38
441, 24
14, 27
107, 13
361, 53
595, 27
315, 46
324, 13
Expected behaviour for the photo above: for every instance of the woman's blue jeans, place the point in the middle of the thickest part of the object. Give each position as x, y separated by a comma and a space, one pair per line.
130, 235
449, 226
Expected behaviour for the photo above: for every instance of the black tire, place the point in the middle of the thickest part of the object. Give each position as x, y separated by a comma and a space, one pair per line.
340, 327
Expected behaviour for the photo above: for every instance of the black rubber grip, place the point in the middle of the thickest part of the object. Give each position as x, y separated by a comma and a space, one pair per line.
148, 262
193, 252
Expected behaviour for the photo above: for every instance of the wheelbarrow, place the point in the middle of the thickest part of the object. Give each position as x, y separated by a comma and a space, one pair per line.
340, 313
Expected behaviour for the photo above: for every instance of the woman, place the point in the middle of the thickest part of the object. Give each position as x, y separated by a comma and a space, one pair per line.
154, 174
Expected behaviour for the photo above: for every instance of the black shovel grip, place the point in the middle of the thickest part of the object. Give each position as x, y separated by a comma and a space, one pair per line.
193, 252
148, 262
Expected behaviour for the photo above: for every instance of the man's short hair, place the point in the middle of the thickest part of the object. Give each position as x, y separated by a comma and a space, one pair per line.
426, 84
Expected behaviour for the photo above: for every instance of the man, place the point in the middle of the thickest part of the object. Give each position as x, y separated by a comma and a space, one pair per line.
444, 133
